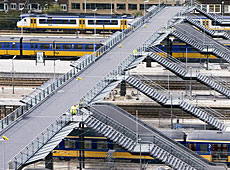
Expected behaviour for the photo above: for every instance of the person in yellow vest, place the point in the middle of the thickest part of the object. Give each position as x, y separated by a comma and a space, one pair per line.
73, 110
134, 51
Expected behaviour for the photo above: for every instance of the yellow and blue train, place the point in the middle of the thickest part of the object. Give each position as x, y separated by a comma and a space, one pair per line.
51, 47
97, 147
181, 51
82, 23
211, 24
210, 144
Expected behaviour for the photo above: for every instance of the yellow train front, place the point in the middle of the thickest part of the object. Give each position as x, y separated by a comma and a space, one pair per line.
212, 145
50, 47
81, 23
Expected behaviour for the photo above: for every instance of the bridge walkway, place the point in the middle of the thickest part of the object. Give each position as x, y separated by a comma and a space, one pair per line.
44, 114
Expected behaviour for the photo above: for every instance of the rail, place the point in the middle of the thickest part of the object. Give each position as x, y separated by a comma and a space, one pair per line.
115, 124
28, 151
156, 86
66, 78
169, 58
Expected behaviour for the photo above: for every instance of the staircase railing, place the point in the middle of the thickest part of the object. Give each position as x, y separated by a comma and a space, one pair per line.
154, 85
38, 142
113, 123
169, 57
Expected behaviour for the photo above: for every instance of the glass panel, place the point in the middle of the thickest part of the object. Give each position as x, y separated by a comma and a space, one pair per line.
70, 143
102, 145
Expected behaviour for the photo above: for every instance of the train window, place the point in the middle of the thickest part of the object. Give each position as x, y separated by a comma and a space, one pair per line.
125, 22
7, 45
67, 46
70, 143
83, 22
0, 45
88, 144
114, 22
90, 22
65, 21
116, 146
58, 46
58, 21
192, 146
80, 22
89, 47
102, 145
106, 22
203, 148
42, 21
13, 45
49, 21
99, 22
78, 46
44, 46
72, 21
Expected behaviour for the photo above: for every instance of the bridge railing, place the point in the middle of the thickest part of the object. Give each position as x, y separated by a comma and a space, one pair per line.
63, 80
38, 142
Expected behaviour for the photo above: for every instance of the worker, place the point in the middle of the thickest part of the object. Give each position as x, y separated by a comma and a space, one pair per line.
73, 110
134, 51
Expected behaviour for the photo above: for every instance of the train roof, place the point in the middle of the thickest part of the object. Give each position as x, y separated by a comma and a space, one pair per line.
77, 16
174, 134
52, 39
208, 135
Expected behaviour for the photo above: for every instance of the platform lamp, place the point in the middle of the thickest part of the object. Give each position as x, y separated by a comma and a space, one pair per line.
146, 1
22, 21
3, 139
94, 11
222, 9
13, 73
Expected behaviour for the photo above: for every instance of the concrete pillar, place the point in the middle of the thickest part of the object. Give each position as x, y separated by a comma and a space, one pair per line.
49, 161
123, 88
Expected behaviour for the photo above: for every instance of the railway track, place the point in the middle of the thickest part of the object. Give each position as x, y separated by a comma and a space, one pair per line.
31, 82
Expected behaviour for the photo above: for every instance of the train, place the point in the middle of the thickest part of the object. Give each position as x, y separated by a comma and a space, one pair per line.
96, 147
211, 24
81, 23
210, 144
185, 52
50, 47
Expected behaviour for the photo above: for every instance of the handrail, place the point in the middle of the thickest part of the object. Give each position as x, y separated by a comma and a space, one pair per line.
29, 150
154, 85
169, 58
111, 122
158, 134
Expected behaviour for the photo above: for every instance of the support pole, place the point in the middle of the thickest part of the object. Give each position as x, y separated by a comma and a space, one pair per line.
49, 161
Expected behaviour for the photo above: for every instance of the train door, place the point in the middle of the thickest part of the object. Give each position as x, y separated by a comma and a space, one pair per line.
205, 23
219, 152
123, 24
82, 23
33, 23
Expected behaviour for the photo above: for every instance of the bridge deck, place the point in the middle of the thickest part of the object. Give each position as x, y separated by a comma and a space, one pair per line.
32, 125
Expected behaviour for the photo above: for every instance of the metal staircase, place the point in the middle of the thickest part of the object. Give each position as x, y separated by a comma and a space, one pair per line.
201, 41
131, 134
180, 69
169, 62
215, 83
165, 98
212, 33
203, 10
208, 115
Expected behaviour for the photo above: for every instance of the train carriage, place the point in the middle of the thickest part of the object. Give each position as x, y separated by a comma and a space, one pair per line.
96, 146
212, 145
82, 23
51, 47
